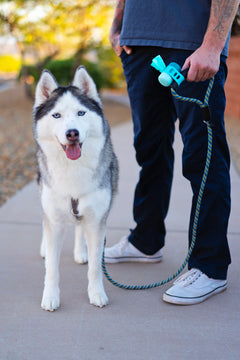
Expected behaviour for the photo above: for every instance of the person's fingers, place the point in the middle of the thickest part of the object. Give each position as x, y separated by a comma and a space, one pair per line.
186, 65
128, 49
118, 50
206, 76
196, 73
114, 39
193, 73
202, 65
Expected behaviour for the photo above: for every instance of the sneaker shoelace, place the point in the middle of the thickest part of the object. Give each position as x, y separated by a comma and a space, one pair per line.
189, 277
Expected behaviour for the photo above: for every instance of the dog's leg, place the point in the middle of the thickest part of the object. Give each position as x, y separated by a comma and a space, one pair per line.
80, 249
95, 236
54, 240
43, 242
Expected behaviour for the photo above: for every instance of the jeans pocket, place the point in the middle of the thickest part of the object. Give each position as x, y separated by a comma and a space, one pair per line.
123, 54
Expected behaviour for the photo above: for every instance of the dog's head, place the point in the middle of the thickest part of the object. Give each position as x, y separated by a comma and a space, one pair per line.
66, 116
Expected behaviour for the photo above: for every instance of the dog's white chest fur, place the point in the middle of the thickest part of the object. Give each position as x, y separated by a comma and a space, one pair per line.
74, 177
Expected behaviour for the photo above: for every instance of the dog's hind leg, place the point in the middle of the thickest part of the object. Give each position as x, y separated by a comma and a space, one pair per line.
80, 249
54, 239
95, 235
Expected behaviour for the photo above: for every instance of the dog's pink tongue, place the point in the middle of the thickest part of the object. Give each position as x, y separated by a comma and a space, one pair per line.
73, 151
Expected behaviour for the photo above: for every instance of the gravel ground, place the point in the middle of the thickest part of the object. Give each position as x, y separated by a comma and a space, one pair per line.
17, 146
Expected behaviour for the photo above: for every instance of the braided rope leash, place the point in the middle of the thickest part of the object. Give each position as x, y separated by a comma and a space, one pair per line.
204, 106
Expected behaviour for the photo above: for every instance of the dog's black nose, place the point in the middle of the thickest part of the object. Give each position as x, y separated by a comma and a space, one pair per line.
72, 135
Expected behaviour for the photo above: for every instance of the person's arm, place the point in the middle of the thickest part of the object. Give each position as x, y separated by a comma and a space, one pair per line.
204, 62
116, 29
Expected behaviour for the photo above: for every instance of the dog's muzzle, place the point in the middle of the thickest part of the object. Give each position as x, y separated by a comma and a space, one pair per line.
74, 148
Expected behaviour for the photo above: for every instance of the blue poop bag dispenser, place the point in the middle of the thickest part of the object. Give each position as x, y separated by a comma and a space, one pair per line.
171, 74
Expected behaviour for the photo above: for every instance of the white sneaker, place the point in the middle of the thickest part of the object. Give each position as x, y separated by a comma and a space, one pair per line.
124, 251
193, 287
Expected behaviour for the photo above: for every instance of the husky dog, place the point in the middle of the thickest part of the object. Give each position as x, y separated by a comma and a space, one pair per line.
78, 175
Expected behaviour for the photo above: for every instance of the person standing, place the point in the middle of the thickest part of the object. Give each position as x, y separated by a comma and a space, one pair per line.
195, 34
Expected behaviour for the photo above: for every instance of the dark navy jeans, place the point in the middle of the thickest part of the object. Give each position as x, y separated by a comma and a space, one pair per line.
154, 112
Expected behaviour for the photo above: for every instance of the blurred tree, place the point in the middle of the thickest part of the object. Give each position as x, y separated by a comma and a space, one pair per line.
44, 28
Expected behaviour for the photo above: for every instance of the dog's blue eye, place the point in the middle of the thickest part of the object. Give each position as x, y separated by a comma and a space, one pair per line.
56, 115
81, 113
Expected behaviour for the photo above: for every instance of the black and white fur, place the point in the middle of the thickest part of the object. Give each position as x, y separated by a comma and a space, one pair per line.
78, 175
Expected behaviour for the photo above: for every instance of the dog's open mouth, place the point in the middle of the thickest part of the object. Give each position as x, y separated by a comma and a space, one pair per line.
73, 151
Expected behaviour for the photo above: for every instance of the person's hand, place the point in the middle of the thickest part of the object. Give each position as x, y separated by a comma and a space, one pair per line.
203, 64
114, 40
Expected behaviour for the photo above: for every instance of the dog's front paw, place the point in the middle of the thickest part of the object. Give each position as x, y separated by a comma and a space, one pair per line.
50, 299
98, 298
80, 257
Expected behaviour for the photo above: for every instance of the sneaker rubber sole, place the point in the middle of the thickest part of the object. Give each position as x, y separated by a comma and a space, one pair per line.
145, 259
177, 300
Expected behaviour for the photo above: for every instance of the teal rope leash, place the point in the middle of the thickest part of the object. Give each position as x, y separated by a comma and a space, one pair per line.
204, 106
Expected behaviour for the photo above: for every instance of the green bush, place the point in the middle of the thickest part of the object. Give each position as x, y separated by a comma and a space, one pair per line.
107, 72
61, 69
111, 68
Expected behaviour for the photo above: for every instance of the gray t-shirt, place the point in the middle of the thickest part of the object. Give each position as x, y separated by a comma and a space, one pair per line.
178, 24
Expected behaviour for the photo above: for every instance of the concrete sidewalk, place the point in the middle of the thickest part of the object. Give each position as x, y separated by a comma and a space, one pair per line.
135, 325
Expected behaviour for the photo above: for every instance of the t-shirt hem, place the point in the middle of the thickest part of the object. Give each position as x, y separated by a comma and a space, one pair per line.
164, 43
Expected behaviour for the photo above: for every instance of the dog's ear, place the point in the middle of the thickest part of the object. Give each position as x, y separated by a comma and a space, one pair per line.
85, 83
46, 85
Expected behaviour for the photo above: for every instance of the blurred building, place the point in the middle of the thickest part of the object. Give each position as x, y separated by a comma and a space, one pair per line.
232, 86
